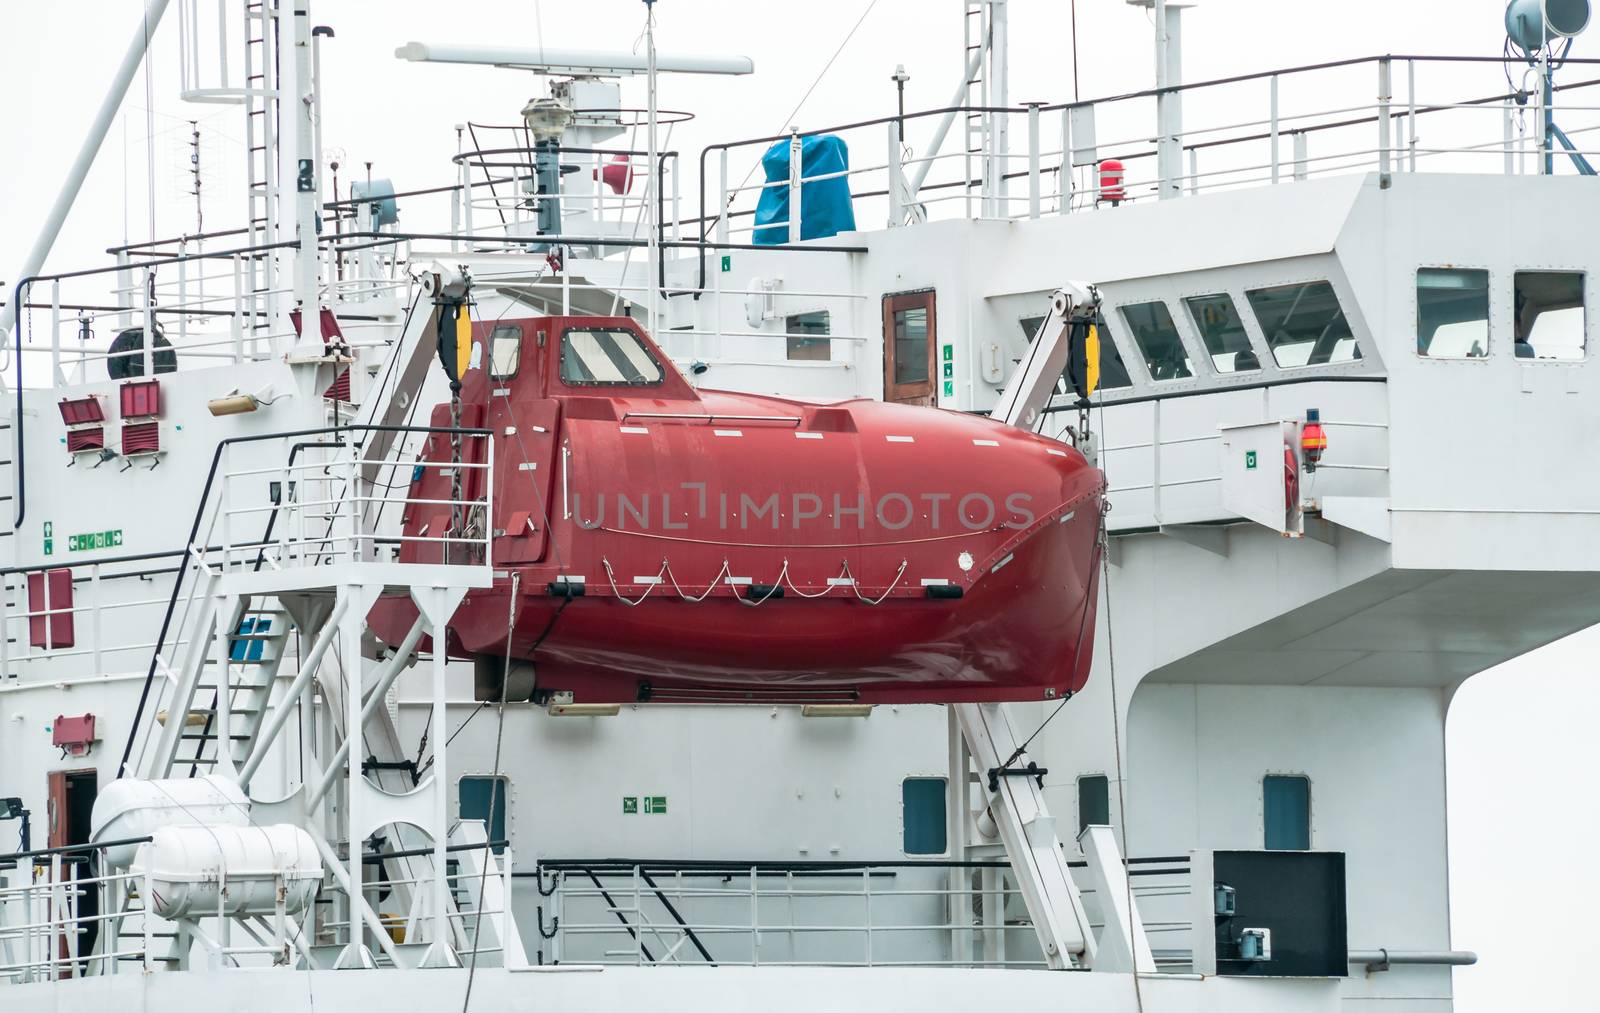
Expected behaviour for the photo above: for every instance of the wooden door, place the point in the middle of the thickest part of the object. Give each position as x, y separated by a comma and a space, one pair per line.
910, 348
70, 803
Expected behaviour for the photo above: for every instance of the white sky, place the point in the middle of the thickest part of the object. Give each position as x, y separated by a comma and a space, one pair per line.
1521, 743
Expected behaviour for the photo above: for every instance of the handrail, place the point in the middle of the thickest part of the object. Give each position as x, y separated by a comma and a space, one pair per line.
68, 849
194, 530
1283, 381
814, 865
702, 417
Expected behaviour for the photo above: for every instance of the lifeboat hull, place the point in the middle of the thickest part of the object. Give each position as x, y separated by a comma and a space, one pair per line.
657, 542
1024, 632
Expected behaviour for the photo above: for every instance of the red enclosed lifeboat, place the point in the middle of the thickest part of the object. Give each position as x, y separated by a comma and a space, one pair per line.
670, 544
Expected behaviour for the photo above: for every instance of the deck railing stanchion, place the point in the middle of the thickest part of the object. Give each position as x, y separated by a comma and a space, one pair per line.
1507, 115
1274, 130
55, 334
1064, 177
896, 177
1411, 116
1384, 126
1033, 162
796, 178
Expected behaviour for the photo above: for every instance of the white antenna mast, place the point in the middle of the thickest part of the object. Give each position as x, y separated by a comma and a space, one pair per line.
653, 246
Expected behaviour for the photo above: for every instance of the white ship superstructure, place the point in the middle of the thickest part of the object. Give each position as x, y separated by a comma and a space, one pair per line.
1245, 807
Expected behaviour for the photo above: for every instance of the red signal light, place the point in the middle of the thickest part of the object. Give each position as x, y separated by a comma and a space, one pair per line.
1111, 188
1313, 440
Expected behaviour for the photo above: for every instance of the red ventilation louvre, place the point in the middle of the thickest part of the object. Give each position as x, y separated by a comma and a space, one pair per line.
141, 399
77, 411
339, 389
50, 609
141, 438
84, 439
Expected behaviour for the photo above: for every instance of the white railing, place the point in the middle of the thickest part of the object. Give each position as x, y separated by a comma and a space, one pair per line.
963, 914
1387, 114
322, 502
63, 915
54, 904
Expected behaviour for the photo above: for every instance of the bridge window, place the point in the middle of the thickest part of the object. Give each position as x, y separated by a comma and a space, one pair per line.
1217, 320
1113, 371
1452, 313
922, 814
607, 357
1549, 315
807, 339
1304, 324
1157, 337
484, 798
1286, 812
505, 351
1094, 801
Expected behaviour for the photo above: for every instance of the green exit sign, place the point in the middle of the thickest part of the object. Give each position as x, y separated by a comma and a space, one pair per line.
94, 540
1249, 460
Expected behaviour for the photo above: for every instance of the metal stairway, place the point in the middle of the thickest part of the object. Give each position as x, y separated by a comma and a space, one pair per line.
255, 656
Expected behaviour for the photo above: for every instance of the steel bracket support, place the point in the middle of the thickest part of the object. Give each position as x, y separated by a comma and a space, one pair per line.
1029, 834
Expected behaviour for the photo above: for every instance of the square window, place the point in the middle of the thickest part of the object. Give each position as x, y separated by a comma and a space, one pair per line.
1452, 313
922, 815
1094, 801
1222, 331
484, 798
1286, 812
1550, 321
607, 357
1304, 324
505, 351
807, 340
911, 345
1157, 337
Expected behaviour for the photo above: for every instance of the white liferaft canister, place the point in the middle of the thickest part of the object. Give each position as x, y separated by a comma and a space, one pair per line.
132, 807
194, 869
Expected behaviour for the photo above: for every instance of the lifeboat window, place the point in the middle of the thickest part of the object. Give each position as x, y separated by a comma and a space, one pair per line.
1304, 324
1549, 315
1452, 313
505, 351
1113, 371
1157, 337
1286, 812
484, 798
1094, 801
1222, 331
922, 805
607, 357
807, 340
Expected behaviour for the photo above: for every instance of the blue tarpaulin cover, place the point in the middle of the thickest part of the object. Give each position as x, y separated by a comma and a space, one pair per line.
824, 203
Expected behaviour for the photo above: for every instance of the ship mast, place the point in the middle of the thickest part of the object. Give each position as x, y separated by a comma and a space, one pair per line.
652, 239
